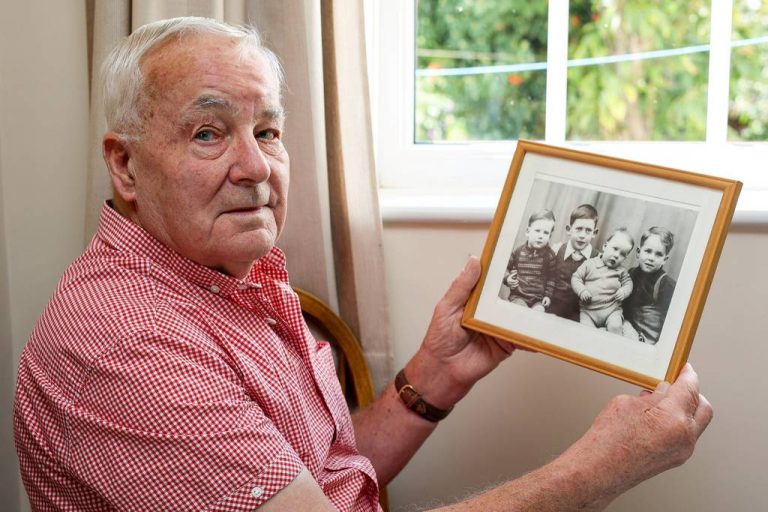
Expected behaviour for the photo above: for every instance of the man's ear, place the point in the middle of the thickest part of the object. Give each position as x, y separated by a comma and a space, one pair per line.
567, 228
117, 155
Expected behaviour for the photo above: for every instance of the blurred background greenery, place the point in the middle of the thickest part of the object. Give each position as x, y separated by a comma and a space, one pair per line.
481, 70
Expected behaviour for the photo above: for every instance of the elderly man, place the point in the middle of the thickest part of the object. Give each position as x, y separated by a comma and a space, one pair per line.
172, 369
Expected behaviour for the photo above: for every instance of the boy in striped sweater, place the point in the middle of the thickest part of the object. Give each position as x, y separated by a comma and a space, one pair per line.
530, 271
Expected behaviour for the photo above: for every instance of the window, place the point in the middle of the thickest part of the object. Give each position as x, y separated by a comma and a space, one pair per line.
680, 83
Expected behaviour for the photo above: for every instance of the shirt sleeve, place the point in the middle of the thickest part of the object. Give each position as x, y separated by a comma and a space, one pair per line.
626, 283
165, 424
577, 279
512, 263
549, 272
666, 290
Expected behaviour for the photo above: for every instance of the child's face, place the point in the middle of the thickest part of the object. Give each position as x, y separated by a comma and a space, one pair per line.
616, 249
652, 255
538, 233
581, 233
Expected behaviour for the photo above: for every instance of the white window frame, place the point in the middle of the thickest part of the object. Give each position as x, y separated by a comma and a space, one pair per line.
462, 182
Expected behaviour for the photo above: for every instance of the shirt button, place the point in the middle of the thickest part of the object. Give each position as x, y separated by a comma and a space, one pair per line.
242, 286
257, 491
271, 321
214, 288
256, 285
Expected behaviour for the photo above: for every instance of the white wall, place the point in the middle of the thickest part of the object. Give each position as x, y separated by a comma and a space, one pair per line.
43, 142
533, 406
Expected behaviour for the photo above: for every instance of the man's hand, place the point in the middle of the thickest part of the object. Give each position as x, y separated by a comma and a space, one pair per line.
451, 359
637, 437
631, 440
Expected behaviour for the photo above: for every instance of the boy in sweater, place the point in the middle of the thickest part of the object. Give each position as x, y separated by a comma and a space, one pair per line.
646, 309
530, 268
602, 284
569, 256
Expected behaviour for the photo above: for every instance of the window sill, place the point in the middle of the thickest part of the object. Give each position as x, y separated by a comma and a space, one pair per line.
478, 207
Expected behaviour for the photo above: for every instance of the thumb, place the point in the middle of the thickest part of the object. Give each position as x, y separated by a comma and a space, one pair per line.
658, 393
462, 286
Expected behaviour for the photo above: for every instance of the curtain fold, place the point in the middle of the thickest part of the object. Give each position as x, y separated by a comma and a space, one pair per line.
291, 28
333, 236
355, 217
109, 23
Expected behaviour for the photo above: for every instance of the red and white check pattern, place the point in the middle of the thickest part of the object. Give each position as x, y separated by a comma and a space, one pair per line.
154, 383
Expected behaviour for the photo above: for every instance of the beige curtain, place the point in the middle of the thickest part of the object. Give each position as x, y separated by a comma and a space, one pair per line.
333, 237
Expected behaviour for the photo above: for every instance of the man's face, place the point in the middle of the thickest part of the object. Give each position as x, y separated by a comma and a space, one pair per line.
652, 255
616, 250
581, 233
538, 233
211, 172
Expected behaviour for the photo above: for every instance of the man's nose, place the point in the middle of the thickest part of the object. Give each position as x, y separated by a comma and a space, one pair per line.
250, 164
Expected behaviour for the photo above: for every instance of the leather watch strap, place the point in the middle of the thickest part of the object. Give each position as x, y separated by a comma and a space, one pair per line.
413, 400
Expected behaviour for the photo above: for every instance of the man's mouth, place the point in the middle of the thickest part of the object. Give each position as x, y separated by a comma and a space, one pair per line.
244, 209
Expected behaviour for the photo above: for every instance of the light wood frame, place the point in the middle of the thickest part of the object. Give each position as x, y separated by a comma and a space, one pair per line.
717, 210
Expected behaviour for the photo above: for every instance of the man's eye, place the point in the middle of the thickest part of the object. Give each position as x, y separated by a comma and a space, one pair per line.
267, 134
205, 135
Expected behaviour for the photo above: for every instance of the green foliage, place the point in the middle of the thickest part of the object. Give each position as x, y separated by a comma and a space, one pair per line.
748, 108
455, 33
655, 99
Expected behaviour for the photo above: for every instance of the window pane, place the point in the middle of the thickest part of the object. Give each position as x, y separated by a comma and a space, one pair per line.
637, 70
748, 107
480, 70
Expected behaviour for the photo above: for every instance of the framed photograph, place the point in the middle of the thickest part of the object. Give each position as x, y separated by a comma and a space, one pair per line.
602, 262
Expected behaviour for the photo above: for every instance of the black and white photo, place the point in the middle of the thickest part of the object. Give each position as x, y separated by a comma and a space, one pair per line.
600, 261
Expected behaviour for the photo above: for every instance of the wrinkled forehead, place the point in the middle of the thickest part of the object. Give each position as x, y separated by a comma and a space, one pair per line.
190, 57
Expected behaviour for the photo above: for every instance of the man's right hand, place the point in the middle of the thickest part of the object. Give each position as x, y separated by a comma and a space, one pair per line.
637, 437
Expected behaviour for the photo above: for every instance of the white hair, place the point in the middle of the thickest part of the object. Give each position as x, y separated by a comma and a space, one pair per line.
124, 85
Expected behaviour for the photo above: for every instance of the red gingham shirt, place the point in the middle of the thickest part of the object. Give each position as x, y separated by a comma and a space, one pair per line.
153, 383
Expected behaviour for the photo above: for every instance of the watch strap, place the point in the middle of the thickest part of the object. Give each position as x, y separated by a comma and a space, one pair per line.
413, 400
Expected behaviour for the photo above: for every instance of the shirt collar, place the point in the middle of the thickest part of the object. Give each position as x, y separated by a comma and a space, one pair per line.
586, 251
125, 235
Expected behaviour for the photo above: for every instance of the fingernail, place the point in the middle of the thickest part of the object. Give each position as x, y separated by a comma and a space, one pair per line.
662, 387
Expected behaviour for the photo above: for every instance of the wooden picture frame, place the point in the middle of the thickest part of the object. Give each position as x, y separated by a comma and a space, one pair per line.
652, 339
